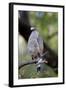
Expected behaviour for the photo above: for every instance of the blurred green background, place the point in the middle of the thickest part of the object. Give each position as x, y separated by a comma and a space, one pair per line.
47, 25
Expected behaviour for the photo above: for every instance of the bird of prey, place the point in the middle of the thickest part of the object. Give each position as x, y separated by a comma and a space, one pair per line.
35, 47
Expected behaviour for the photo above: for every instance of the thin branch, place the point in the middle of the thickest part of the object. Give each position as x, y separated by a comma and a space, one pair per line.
49, 37
27, 63
32, 62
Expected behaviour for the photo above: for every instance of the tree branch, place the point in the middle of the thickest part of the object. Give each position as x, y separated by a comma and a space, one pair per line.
34, 61
49, 37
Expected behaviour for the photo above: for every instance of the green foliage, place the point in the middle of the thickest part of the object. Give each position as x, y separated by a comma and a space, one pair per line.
30, 71
47, 24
